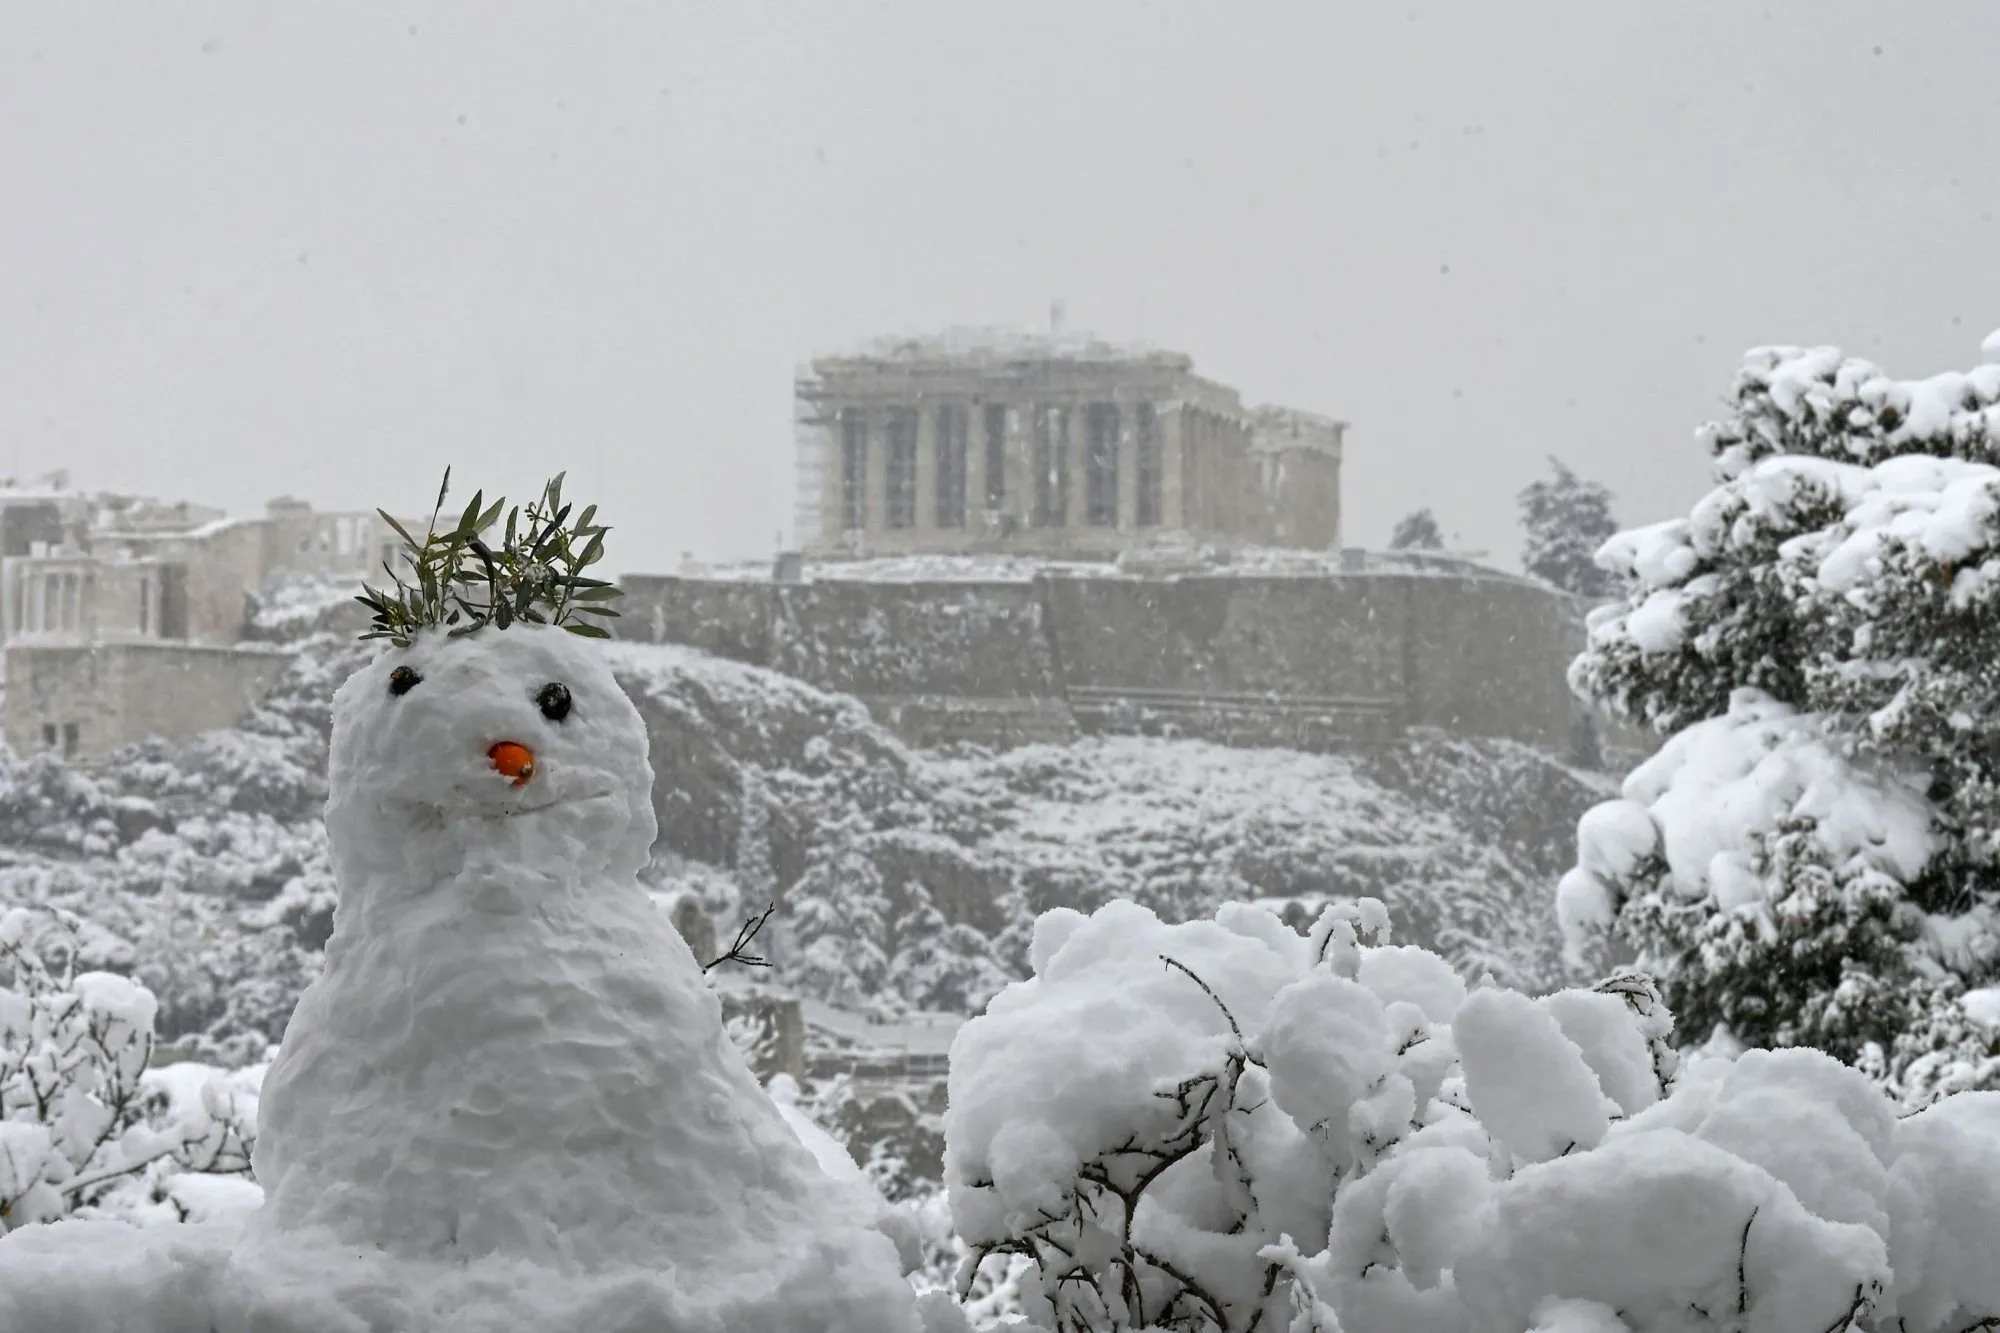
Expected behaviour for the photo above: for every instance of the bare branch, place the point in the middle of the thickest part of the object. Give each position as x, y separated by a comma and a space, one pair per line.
744, 935
1175, 962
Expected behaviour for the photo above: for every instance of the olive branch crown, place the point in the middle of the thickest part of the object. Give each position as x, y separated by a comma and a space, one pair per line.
461, 580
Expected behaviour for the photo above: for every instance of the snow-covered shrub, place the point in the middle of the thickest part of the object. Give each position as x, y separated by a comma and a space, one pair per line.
895, 1132
1815, 857
86, 1128
50, 807
1225, 1125
993, 1295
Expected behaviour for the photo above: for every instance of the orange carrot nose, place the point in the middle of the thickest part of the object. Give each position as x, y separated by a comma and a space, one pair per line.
514, 760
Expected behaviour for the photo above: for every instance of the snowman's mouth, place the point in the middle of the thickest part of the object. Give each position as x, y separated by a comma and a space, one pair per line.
437, 813
553, 803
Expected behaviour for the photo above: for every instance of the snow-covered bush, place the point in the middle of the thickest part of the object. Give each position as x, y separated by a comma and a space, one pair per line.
1815, 857
1226, 1125
86, 1128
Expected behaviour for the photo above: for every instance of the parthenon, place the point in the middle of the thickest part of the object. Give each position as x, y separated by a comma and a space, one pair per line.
976, 441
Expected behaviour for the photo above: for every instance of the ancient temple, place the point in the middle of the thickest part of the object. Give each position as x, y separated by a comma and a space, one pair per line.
1050, 445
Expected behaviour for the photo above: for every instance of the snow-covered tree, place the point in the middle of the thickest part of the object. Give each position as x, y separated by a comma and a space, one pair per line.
835, 920
1418, 531
857, 939
1814, 856
1566, 519
1225, 1125
85, 1127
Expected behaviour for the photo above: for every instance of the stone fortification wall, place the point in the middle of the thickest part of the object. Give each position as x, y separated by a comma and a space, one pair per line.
1309, 662
88, 701
1489, 657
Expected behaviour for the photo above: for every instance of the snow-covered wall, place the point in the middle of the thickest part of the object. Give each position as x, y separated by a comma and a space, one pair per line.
1306, 662
99, 697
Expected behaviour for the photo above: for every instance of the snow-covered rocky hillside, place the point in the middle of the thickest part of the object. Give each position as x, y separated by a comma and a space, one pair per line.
916, 860
909, 879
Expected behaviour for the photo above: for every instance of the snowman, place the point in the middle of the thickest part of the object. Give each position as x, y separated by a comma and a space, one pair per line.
508, 1100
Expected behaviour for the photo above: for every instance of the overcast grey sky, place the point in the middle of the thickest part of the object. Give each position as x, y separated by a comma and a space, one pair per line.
249, 249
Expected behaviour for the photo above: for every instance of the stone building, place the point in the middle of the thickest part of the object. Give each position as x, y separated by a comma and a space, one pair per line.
1050, 446
123, 617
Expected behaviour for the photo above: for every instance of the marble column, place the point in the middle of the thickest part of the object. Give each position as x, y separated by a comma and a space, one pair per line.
1128, 466
877, 471
1020, 463
927, 466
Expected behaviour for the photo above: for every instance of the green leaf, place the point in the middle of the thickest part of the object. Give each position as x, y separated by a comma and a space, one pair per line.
591, 553
587, 631
597, 611
492, 515
468, 521
442, 491
401, 531
503, 615
603, 594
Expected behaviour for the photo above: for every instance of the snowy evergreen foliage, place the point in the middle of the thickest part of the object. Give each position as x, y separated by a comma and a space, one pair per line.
85, 1128
1228, 1125
1566, 519
1815, 857
1417, 531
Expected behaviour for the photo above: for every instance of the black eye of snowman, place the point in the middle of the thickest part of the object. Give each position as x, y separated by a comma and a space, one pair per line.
403, 679
553, 700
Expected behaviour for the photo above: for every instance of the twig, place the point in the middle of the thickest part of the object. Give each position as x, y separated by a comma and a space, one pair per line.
744, 935
1743, 1264
1175, 962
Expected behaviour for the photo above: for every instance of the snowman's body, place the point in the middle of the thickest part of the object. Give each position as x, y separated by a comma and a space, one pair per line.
543, 1077
508, 1102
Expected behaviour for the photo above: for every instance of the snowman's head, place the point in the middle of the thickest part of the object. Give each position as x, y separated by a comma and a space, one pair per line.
515, 746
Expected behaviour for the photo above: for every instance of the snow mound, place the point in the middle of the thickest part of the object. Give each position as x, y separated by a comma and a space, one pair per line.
1226, 1115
